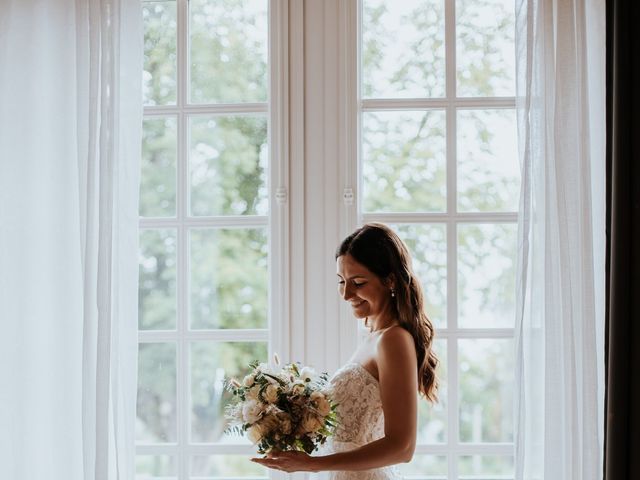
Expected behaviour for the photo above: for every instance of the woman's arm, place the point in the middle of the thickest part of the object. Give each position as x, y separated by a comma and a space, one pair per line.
397, 370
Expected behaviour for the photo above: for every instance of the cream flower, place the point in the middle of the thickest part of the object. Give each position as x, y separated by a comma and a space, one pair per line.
252, 393
271, 394
255, 433
297, 389
307, 374
311, 423
248, 381
252, 411
323, 406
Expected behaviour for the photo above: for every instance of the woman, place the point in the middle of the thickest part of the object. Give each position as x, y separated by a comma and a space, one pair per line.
376, 389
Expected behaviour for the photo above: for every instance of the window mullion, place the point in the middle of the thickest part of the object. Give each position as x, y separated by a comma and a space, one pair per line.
182, 374
453, 429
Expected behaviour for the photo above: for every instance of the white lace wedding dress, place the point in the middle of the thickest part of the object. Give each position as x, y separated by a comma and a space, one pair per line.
360, 418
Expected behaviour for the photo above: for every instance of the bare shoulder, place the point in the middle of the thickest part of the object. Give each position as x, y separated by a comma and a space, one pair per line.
395, 340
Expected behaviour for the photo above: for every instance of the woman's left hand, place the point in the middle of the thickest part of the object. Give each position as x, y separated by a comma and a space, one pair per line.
289, 461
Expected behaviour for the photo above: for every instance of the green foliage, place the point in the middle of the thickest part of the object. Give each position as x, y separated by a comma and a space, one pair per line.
160, 61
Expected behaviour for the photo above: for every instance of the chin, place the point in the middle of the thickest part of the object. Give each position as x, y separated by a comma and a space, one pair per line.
360, 314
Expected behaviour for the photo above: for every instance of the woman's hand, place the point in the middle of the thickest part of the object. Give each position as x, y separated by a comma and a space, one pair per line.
289, 461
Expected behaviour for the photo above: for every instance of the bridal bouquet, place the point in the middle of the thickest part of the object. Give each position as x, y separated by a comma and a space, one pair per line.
287, 408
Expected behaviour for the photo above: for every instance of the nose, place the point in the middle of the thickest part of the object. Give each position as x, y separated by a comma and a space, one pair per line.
347, 291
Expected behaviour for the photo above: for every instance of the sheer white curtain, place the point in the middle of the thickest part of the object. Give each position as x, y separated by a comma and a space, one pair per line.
70, 129
559, 328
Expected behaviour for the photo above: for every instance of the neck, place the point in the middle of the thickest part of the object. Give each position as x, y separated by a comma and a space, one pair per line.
381, 322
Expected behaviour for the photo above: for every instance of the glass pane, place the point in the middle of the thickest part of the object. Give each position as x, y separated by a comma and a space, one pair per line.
158, 168
488, 166
157, 286
211, 363
432, 419
226, 466
153, 466
487, 275
490, 467
485, 48
229, 278
403, 49
425, 467
486, 390
156, 409
228, 42
228, 165
159, 75
428, 247
403, 161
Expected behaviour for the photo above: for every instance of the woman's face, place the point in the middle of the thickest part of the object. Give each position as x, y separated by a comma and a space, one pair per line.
363, 289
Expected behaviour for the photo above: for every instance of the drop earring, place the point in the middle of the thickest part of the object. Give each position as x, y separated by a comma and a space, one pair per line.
393, 292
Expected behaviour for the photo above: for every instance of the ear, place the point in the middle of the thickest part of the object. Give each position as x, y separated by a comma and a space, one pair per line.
390, 281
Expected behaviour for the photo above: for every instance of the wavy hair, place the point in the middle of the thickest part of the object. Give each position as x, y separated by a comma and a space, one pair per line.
381, 251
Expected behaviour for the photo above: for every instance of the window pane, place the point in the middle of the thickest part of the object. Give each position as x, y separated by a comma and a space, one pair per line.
156, 410
226, 466
157, 286
229, 278
158, 176
159, 75
211, 363
486, 275
153, 466
486, 390
488, 166
489, 467
403, 49
425, 467
403, 161
228, 165
428, 247
432, 419
485, 51
228, 50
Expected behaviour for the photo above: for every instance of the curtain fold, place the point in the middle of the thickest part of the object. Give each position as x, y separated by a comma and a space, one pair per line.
560, 279
622, 427
70, 132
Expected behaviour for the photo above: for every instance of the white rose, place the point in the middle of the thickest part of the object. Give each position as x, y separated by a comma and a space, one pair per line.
307, 374
252, 411
255, 433
271, 394
248, 380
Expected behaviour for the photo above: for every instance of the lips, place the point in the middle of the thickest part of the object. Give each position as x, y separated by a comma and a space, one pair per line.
356, 305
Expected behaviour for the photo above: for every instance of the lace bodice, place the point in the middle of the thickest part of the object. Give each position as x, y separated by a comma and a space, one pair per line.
360, 419
360, 415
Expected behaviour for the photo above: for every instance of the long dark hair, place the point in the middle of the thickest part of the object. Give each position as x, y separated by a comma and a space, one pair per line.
382, 252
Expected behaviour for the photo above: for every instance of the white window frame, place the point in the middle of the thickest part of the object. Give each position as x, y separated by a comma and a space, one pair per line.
277, 223
452, 447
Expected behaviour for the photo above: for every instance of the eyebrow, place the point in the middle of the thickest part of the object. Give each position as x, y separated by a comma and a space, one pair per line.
354, 276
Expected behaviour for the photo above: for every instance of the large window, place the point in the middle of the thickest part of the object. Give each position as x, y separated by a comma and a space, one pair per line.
438, 161
205, 211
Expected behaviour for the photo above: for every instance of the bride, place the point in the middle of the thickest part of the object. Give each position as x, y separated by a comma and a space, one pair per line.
376, 390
